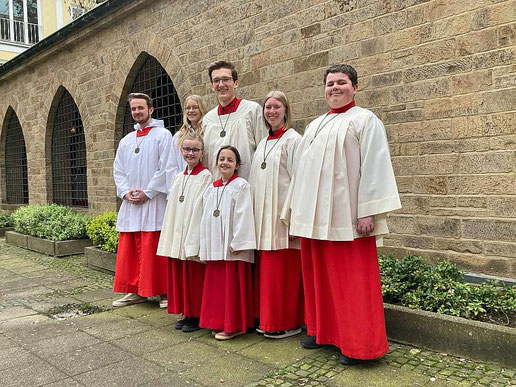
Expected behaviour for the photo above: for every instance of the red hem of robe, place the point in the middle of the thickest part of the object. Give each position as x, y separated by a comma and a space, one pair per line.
138, 269
185, 286
343, 296
227, 303
279, 290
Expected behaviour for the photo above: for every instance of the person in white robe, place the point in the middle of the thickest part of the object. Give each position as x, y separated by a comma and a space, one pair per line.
342, 189
278, 282
180, 235
237, 122
227, 246
142, 174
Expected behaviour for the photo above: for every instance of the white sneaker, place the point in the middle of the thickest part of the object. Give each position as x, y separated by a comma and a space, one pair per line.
163, 303
129, 299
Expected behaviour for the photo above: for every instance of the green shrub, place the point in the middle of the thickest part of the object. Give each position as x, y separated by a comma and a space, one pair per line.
414, 283
102, 231
54, 222
6, 221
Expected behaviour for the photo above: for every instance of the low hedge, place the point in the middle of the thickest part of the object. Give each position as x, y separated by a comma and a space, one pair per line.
50, 221
102, 231
413, 282
6, 221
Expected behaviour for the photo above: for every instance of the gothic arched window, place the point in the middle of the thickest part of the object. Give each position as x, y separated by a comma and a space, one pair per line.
68, 155
153, 80
16, 181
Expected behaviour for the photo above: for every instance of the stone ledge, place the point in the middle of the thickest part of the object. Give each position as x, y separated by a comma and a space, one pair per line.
46, 246
454, 335
3, 230
98, 259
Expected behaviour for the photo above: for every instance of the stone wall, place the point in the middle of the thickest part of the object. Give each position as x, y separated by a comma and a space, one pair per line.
440, 73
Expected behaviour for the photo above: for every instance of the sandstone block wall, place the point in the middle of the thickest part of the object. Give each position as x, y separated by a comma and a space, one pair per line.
441, 74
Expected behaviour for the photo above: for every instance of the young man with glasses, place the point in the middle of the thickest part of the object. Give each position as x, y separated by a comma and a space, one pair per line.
142, 173
237, 122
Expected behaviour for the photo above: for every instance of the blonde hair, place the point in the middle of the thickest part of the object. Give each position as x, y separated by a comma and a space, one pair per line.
187, 125
194, 136
280, 96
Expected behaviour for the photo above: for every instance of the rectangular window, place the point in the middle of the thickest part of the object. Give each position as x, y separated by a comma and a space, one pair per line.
18, 24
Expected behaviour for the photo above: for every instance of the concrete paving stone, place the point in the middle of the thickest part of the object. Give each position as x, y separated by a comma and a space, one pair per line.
63, 344
377, 375
50, 275
69, 382
27, 293
95, 295
139, 310
5, 342
44, 304
12, 357
18, 327
88, 358
171, 379
234, 345
69, 284
31, 329
159, 319
35, 373
25, 269
150, 341
130, 372
110, 329
14, 312
278, 353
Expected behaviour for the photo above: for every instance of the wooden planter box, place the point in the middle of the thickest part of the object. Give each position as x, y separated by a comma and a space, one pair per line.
45, 246
455, 335
99, 259
4, 229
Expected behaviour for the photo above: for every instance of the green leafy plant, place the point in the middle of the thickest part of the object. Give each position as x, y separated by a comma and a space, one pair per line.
102, 231
5, 221
54, 222
415, 283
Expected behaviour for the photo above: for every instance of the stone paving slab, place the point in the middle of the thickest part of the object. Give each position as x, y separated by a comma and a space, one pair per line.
138, 345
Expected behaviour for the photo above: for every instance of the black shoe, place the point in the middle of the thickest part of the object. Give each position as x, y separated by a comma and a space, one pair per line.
179, 324
282, 334
349, 360
310, 343
191, 325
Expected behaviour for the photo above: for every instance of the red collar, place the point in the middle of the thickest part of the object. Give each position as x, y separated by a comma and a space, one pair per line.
230, 107
342, 109
143, 132
219, 183
277, 133
196, 170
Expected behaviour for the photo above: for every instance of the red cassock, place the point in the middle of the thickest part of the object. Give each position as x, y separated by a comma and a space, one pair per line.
343, 296
278, 289
138, 268
227, 304
185, 286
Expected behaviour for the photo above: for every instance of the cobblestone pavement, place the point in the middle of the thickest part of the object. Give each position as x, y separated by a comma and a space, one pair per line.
137, 345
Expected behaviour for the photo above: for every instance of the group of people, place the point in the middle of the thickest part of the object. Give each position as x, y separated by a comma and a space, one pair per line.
238, 222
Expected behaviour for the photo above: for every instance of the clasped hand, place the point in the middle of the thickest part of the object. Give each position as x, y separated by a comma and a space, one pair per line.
136, 196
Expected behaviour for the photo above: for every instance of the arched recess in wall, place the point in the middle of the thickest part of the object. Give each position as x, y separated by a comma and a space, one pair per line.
67, 152
148, 76
15, 161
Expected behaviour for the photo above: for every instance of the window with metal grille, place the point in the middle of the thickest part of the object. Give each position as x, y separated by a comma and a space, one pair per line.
153, 80
68, 155
16, 181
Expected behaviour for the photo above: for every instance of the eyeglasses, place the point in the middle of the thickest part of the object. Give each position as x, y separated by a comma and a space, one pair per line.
193, 150
224, 80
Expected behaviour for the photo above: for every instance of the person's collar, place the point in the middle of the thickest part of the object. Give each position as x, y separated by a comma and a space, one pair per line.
196, 170
342, 109
219, 183
143, 132
276, 133
230, 107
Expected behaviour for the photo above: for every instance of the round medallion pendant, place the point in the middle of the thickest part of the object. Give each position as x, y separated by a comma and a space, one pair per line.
223, 133
181, 199
137, 150
216, 213
264, 165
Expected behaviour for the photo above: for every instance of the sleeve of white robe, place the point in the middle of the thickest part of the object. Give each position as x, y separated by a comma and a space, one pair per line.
192, 241
377, 192
244, 236
291, 164
120, 176
260, 131
162, 178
